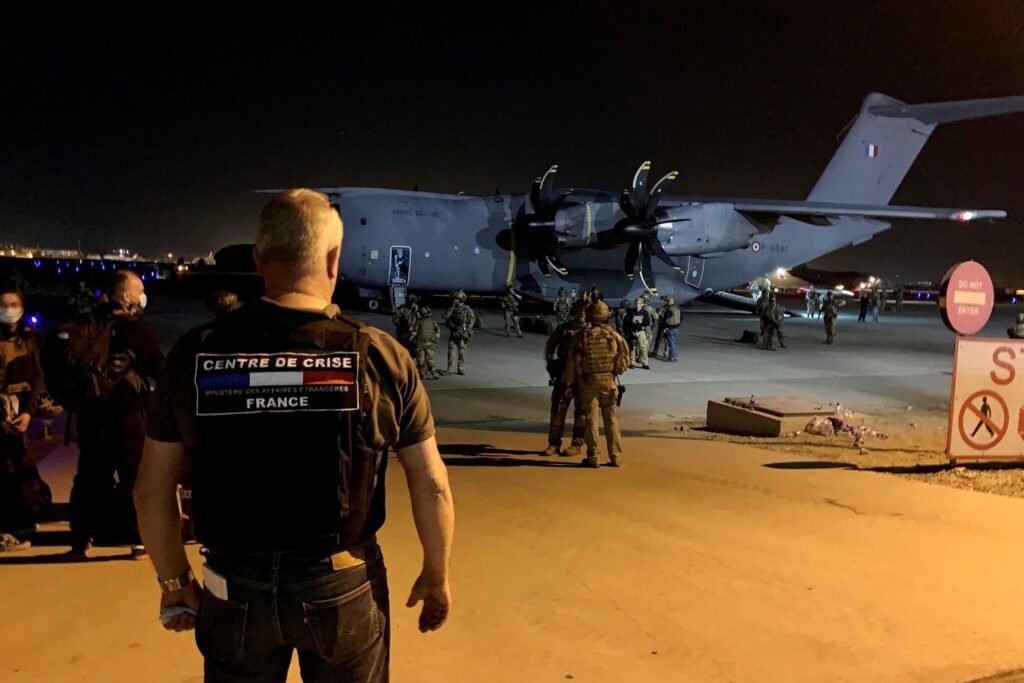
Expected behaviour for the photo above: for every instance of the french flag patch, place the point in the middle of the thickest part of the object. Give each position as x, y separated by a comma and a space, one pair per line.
870, 151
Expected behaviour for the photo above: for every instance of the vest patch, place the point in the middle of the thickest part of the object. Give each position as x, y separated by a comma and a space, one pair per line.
242, 383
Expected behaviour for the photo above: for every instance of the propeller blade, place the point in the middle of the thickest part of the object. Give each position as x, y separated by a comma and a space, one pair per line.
631, 256
655, 195
547, 183
557, 264
655, 245
646, 272
535, 195
551, 258
638, 197
542, 263
626, 204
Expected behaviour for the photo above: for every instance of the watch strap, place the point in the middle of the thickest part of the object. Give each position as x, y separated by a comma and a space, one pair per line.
177, 583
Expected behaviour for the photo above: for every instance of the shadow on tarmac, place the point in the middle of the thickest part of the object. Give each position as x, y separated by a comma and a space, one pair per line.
486, 455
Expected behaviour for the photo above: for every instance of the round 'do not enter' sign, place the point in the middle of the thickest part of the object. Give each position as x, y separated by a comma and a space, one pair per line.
966, 298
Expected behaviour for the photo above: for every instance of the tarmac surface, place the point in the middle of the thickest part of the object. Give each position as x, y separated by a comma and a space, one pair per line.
696, 561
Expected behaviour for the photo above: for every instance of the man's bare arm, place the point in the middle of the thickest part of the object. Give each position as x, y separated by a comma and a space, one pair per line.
434, 515
160, 522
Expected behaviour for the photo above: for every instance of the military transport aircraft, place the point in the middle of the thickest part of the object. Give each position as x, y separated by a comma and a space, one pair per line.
642, 238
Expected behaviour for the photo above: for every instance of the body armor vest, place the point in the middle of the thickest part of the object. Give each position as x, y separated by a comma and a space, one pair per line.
300, 477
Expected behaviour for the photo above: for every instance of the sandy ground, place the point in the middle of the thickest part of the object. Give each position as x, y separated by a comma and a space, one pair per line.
706, 558
698, 561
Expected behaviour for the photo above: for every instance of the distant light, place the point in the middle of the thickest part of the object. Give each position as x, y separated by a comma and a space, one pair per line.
77, 269
781, 272
34, 320
1013, 300
170, 255
863, 285
928, 295
143, 276
871, 280
964, 216
58, 270
840, 287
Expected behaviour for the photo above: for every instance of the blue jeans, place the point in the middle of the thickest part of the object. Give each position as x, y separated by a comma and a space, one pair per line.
338, 620
670, 336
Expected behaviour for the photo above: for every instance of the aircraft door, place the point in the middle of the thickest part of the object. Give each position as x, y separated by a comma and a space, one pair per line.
694, 271
398, 274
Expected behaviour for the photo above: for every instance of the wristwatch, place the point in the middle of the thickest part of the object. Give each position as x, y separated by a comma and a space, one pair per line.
176, 584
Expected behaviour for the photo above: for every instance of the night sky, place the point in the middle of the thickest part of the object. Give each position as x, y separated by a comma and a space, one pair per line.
150, 131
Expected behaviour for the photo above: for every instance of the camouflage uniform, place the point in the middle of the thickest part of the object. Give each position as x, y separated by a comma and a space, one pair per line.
427, 336
620, 316
563, 308
637, 322
831, 310
555, 351
406, 319
510, 307
771, 323
460, 320
597, 356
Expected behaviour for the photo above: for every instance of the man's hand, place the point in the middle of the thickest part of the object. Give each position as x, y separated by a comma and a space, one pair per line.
437, 601
189, 596
20, 423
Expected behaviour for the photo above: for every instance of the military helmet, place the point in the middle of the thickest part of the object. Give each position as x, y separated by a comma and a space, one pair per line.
460, 295
645, 296
425, 310
508, 286
624, 303
1020, 318
413, 300
561, 290
598, 312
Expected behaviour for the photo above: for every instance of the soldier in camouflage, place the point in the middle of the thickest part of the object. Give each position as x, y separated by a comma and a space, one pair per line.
427, 336
406, 322
596, 358
636, 325
460, 320
563, 308
620, 316
510, 309
555, 351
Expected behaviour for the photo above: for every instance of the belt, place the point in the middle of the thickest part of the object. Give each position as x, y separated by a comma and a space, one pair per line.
342, 559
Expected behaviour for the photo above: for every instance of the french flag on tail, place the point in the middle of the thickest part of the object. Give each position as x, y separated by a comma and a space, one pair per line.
870, 150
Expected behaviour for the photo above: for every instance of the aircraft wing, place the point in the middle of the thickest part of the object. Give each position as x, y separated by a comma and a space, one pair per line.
769, 207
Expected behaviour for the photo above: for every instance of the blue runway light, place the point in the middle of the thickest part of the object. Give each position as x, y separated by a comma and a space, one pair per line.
34, 319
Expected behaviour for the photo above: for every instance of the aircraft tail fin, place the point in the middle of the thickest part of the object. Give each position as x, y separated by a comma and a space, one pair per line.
885, 139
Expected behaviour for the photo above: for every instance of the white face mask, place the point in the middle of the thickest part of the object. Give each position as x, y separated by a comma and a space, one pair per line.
9, 316
143, 300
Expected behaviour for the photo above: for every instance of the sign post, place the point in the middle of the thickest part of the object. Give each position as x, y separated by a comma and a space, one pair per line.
987, 394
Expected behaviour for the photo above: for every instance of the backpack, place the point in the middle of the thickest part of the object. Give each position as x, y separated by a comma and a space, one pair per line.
75, 362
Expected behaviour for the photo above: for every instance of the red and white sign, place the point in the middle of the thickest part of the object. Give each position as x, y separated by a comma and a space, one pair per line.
986, 406
966, 297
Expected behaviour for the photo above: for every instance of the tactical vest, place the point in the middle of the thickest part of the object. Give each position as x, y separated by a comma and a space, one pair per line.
459, 322
288, 475
599, 352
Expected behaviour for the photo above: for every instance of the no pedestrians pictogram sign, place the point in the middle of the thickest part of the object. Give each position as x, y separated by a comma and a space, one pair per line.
986, 406
986, 411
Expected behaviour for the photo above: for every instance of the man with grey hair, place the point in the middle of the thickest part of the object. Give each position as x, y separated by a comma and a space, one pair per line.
286, 409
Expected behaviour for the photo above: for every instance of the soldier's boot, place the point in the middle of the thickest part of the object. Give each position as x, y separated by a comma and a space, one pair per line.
590, 461
574, 450
552, 450
614, 462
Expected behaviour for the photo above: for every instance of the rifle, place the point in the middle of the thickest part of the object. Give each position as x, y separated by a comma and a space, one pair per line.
622, 392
